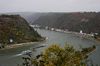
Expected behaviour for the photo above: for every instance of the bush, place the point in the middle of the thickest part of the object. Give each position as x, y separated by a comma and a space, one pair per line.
60, 56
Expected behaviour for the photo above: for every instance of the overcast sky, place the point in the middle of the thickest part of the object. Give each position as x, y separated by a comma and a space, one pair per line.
49, 5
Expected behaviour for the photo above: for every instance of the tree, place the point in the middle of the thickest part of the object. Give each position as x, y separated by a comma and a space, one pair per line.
62, 56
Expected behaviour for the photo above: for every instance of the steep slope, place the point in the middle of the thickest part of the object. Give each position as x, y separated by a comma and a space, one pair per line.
76, 21
15, 29
29, 16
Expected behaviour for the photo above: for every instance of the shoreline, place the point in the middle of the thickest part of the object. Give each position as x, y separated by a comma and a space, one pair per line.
84, 35
12, 46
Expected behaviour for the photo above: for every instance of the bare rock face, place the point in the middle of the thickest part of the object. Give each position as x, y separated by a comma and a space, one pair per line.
15, 29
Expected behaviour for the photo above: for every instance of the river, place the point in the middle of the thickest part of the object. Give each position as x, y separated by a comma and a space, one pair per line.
12, 57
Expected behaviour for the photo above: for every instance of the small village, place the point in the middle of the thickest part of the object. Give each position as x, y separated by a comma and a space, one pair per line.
79, 34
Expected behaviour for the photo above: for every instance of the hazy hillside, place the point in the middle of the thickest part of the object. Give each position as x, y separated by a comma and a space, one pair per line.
29, 16
87, 21
16, 28
75, 21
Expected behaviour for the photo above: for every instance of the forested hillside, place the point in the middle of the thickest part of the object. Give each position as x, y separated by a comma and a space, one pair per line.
76, 21
15, 29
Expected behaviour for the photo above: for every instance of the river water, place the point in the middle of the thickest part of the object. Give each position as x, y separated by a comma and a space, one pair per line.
12, 57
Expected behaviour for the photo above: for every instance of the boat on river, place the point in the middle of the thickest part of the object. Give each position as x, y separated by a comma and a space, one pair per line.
27, 52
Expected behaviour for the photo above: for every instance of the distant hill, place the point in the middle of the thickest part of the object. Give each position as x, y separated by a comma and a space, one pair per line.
16, 28
75, 21
29, 16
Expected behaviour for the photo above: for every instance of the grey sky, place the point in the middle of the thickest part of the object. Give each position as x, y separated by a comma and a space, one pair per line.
49, 5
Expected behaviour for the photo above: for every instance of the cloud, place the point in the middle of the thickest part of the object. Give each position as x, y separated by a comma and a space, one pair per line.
49, 5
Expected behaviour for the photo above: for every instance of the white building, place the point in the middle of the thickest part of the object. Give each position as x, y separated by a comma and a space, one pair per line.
11, 40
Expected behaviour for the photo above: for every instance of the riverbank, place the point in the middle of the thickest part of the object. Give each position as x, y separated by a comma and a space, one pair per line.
83, 35
11, 46
98, 38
